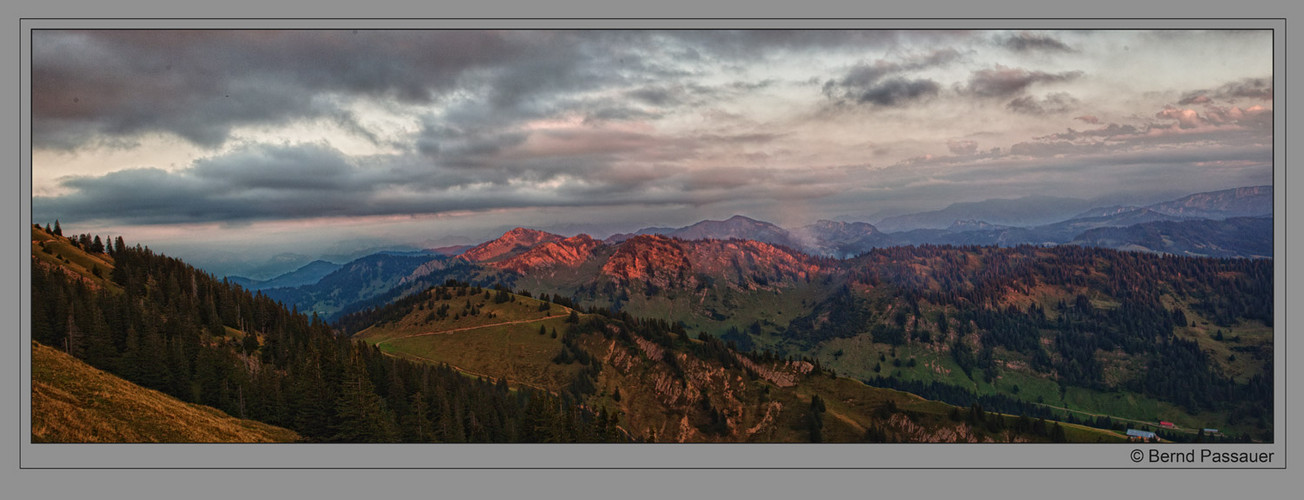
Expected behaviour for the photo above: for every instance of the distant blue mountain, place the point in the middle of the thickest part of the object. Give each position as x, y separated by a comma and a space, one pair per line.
1231, 237
1024, 212
355, 281
308, 274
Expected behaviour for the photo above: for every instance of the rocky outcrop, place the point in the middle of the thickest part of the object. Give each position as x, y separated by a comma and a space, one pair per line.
654, 259
569, 252
509, 244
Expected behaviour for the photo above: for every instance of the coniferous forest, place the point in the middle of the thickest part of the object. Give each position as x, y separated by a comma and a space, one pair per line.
164, 325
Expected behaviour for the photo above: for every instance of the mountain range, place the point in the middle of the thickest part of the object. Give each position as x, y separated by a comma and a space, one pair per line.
1228, 223
1032, 220
709, 333
988, 319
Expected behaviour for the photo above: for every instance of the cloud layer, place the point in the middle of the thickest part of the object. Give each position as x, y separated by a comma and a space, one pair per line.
259, 126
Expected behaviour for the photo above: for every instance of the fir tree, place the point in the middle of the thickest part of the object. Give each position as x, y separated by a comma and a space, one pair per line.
362, 414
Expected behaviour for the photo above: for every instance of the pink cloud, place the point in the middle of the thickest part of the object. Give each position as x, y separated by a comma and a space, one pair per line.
1213, 117
1088, 118
1186, 118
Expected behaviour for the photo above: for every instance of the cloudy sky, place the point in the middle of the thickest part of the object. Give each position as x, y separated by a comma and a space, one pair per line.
264, 141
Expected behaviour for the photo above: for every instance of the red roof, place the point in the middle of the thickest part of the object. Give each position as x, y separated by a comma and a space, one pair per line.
1165, 424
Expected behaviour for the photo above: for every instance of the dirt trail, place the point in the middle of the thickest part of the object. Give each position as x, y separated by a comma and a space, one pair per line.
468, 328
477, 327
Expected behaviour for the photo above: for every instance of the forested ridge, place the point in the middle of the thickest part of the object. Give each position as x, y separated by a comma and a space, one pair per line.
162, 324
1068, 312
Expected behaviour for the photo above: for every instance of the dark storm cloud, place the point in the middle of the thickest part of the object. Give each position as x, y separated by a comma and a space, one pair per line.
248, 183
310, 167
267, 182
200, 84
881, 83
103, 87
1003, 81
895, 91
1030, 42
525, 119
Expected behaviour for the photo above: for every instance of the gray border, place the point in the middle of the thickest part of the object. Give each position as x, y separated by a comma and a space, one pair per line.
650, 456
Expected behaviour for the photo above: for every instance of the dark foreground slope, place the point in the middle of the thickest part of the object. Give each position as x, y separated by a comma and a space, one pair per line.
73, 402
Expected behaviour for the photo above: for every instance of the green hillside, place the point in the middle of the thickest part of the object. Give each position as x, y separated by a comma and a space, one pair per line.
665, 385
467, 328
1132, 336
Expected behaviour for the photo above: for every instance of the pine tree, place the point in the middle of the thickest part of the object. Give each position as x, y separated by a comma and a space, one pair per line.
362, 414
58, 231
417, 424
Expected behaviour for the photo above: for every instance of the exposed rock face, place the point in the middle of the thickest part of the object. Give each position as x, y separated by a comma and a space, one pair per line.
681, 394
917, 433
782, 375
511, 243
569, 252
744, 261
666, 262
655, 259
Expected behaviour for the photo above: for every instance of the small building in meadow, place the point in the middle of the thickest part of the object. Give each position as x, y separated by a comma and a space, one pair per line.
1140, 435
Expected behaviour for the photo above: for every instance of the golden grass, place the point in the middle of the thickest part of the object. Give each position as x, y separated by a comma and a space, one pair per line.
73, 402
78, 263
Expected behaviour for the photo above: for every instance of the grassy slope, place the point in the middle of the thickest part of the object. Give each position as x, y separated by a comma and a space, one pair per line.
73, 402
77, 262
502, 341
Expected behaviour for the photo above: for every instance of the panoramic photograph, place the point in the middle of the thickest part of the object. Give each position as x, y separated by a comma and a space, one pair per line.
652, 236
